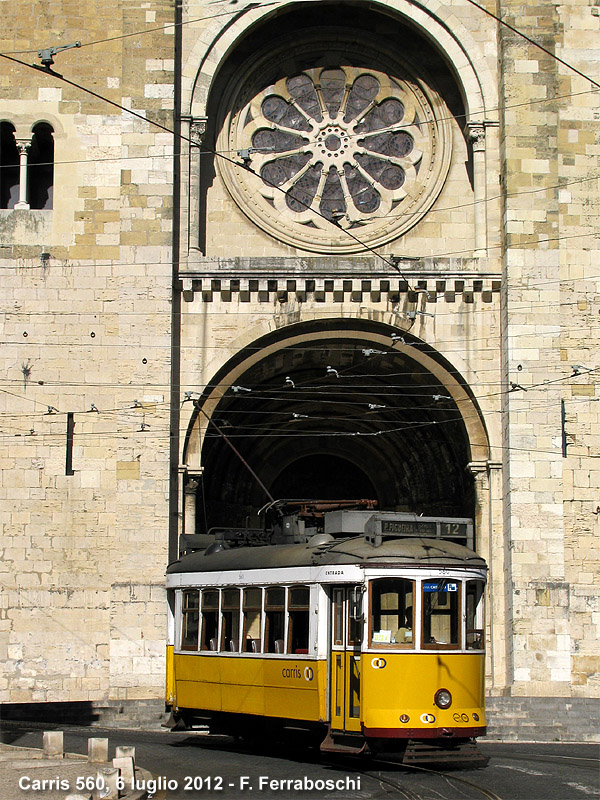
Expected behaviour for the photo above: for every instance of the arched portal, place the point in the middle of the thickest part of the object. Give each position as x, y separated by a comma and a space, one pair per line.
368, 122
336, 408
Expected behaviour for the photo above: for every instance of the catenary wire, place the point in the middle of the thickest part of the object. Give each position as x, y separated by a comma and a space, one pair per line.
466, 252
347, 232
362, 390
534, 43
238, 11
391, 129
147, 120
550, 328
253, 6
221, 155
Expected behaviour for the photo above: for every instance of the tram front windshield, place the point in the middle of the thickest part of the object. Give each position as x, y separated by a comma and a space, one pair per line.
441, 613
427, 614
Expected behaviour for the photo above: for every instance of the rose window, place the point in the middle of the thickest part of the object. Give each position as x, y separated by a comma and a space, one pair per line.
329, 150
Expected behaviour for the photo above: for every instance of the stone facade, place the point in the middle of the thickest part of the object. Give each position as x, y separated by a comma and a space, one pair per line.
86, 299
437, 246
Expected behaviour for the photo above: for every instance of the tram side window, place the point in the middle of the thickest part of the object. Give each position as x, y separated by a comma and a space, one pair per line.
475, 615
230, 620
252, 620
275, 620
210, 619
441, 613
190, 616
392, 602
298, 624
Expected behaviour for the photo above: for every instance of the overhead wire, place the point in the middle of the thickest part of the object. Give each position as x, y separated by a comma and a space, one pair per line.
157, 434
254, 5
391, 129
392, 264
435, 210
376, 253
213, 152
166, 26
148, 120
404, 426
148, 384
491, 336
404, 274
534, 43
286, 396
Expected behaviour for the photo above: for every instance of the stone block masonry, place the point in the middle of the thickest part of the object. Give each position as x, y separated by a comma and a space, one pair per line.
495, 286
87, 331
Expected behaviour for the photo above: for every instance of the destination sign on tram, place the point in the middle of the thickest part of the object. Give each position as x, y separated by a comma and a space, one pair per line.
419, 527
408, 527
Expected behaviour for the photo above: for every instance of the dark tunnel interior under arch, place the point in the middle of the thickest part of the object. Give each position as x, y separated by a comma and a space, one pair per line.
384, 429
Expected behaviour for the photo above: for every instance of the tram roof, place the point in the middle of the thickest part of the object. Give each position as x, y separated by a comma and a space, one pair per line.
408, 552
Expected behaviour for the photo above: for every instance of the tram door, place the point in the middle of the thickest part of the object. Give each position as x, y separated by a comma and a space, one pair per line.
346, 635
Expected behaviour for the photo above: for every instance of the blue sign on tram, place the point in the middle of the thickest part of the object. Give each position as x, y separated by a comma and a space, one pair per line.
440, 586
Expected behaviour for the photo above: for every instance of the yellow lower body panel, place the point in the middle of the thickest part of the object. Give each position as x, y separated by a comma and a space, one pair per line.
404, 685
288, 688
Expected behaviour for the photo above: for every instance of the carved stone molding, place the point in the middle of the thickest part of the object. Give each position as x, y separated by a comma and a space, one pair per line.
23, 145
265, 290
354, 142
476, 135
197, 130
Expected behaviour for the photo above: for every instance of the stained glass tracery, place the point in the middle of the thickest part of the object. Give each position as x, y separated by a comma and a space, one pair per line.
357, 146
337, 142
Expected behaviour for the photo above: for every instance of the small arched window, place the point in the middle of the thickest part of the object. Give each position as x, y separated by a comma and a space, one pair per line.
40, 172
9, 166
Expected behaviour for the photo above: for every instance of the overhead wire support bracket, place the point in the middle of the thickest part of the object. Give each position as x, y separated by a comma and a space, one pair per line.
46, 54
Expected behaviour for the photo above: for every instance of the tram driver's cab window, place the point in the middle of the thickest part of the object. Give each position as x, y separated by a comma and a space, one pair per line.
210, 619
298, 619
392, 603
190, 618
252, 620
475, 615
441, 613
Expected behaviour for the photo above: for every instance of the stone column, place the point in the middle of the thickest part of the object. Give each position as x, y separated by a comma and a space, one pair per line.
197, 132
476, 137
479, 471
490, 545
189, 507
500, 610
23, 146
181, 478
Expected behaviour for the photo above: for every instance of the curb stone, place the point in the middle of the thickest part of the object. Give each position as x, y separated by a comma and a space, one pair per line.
16, 761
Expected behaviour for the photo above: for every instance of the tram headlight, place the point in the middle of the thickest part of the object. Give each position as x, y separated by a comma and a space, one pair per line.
443, 698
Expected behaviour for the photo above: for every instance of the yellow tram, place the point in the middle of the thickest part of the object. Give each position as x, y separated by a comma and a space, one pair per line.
369, 633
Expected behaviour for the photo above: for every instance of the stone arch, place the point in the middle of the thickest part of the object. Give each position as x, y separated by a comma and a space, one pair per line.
413, 484
462, 53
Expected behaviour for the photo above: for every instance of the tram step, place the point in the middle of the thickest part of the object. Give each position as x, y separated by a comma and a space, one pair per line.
351, 745
420, 752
